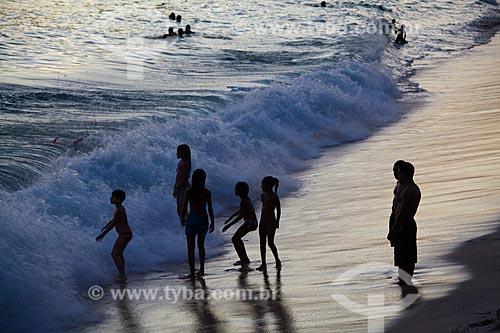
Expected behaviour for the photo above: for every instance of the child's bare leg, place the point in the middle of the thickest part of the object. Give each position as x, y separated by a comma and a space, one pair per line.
201, 252
239, 246
180, 203
190, 247
179, 210
270, 241
262, 239
117, 255
123, 261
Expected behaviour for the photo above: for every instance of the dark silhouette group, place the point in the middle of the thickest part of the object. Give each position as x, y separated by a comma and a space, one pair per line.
180, 32
194, 200
194, 209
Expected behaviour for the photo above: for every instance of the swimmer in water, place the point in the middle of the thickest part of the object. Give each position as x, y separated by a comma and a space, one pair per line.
172, 16
77, 141
401, 37
179, 18
188, 30
323, 3
180, 32
171, 33
394, 26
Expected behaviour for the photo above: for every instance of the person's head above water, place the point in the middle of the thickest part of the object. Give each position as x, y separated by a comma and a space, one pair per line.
180, 32
188, 29
171, 31
323, 3
172, 16
179, 18
393, 21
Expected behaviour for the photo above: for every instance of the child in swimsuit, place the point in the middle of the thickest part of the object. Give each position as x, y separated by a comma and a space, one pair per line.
120, 223
247, 213
182, 176
199, 199
268, 221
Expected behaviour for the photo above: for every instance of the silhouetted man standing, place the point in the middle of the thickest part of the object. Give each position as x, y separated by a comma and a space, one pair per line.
405, 227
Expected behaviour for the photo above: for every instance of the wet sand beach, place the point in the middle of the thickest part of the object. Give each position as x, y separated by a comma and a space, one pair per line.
332, 238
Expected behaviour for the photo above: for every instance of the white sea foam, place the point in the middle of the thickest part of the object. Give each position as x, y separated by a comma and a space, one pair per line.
48, 249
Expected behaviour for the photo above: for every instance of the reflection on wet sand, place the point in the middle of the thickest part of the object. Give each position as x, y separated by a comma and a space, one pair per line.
205, 319
260, 305
266, 303
129, 319
284, 319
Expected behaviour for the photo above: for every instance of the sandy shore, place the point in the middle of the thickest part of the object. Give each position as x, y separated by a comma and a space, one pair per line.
338, 221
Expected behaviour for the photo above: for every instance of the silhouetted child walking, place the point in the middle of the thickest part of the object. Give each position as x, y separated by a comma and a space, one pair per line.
199, 199
247, 213
268, 221
120, 223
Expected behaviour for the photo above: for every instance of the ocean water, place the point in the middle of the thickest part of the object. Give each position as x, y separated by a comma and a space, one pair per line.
259, 88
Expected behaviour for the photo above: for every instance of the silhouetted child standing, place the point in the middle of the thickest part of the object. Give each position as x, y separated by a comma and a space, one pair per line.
247, 213
268, 221
200, 200
182, 176
120, 223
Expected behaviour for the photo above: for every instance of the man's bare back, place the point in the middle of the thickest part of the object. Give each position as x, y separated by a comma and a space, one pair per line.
408, 202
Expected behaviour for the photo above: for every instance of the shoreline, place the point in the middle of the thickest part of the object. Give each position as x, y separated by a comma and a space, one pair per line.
339, 218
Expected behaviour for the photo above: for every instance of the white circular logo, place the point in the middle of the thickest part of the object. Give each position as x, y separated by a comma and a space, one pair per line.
96, 293
376, 309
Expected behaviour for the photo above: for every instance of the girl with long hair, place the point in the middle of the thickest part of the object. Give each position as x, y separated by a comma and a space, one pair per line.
268, 221
199, 199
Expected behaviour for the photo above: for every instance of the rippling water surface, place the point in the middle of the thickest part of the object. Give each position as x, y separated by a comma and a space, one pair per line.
81, 68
